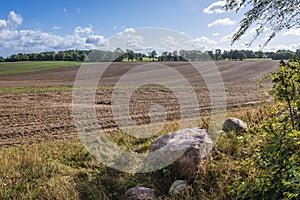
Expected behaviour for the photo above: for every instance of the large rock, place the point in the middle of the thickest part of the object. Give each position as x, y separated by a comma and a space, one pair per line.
234, 124
141, 193
186, 147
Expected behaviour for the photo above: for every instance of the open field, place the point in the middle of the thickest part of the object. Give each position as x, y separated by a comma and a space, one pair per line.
35, 105
23, 67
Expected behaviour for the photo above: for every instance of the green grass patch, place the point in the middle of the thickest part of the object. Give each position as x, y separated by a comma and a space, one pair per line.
24, 67
258, 59
47, 89
68, 88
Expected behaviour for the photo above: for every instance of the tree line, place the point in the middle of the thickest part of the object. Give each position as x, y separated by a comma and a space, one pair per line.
129, 55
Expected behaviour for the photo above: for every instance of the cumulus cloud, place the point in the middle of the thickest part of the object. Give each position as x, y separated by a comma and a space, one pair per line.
12, 22
95, 40
28, 41
215, 8
226, 38
205, 40
129, 39
222, 22
83, 30
295, 32
3, 24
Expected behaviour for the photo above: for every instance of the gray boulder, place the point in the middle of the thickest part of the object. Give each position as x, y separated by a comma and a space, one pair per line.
234, 124
185, 148
141, 193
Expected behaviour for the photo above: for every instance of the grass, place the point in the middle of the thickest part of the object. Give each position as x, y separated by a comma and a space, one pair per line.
66, 170
68, 88
24, 67
46, 89
145, 59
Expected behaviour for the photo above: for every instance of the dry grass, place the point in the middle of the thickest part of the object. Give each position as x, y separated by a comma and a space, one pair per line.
66, 170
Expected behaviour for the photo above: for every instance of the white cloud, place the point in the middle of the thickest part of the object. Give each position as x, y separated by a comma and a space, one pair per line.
205, 40
129, 30
83, 30
56, 27
295, 32
216, 34
95, 40
215, 8
14, 20
226, 38
78, 10
28, 41
3, 24
222, 22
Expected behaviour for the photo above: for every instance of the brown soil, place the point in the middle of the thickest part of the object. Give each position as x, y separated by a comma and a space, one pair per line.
36, 116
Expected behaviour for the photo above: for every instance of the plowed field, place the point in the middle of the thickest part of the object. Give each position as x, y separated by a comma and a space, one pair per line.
30, 111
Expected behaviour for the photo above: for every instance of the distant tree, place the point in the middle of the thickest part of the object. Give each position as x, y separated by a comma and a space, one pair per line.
241, 55
60, 56
175, 55
153, 55
224, 55
33, 57
2, 59
283, 55
266, 14
297, 55
218, 54
83, 56
13, 58
68, 57
249, 53
260, 54
211, 54
130, 54
119, 55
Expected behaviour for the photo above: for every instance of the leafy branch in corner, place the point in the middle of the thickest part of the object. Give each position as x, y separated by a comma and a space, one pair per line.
269, 16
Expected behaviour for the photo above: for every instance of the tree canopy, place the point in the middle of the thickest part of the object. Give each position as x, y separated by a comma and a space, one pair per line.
269, 16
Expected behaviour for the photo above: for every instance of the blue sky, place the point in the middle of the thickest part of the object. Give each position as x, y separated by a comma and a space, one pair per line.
34, 26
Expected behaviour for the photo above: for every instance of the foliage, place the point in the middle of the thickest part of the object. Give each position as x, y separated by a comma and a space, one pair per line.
286, 90
266, 15
129, 55
277, 157
24, 67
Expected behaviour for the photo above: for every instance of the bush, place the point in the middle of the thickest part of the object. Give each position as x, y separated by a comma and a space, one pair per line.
277, 157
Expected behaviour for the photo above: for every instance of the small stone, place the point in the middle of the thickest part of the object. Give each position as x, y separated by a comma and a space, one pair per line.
141, 193
177, 187
234, 124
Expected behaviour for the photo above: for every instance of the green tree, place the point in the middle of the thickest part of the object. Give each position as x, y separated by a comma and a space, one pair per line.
218, 54
60, 56
297, 53
260, 54
130, 54
153, 54
265, 14
119, 55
